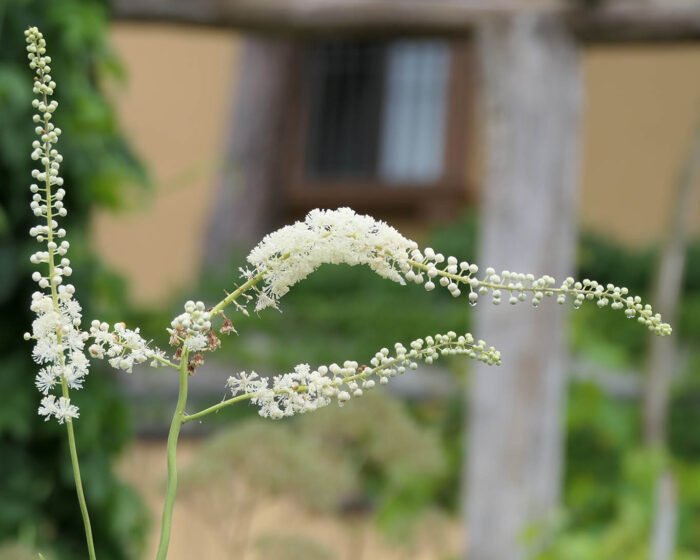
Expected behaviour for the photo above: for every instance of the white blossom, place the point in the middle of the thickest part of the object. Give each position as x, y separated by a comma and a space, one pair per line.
291, 253
246, 383
58, 338
47, 378
60, 408
122, 347
196, 342
305, 389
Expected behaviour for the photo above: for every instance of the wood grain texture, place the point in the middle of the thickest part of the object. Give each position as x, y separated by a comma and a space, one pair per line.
592, 20
532, 90
247, 197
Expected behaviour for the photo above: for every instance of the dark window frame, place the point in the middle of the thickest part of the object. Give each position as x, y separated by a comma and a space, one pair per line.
440, 198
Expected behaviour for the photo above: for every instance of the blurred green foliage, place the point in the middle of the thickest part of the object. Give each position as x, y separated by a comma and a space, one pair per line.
399, 461
274, 460
16, 551
291, 547
37, 498
370, 455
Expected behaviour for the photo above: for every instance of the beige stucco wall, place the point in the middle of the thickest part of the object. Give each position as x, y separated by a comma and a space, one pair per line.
642, 103
640, 106
174, 108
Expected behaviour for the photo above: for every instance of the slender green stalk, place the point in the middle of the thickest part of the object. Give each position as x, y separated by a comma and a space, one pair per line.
173, 435
78, 480
64, 385
217, 407
233, 296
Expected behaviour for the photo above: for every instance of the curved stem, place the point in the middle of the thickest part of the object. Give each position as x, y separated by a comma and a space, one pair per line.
217, 407
166, 362
233, 296
78, 480
173, 435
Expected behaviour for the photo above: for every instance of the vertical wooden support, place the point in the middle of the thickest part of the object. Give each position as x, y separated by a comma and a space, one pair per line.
532, 98
246, 199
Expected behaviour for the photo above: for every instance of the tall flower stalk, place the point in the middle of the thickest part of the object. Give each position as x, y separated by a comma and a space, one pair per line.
59, 341
281, 260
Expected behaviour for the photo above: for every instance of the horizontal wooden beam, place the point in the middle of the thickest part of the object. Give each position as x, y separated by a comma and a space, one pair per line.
325, 16
639, 21
592, 20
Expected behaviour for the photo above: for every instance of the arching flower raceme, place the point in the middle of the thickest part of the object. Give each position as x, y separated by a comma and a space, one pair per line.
288, 255
305, 390
428, 267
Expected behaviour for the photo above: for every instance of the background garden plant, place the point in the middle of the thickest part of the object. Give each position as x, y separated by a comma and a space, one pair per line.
281, 260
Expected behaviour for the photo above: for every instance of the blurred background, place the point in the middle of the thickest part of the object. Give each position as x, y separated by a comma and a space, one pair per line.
559, 137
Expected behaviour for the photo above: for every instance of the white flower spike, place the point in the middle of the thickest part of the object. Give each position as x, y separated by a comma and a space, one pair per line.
59, 340
305, 390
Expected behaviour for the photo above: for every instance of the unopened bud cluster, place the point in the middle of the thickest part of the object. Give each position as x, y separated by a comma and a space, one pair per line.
192, 328
305, 390
429, 268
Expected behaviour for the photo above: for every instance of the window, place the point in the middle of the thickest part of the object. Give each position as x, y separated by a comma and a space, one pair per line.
379, 125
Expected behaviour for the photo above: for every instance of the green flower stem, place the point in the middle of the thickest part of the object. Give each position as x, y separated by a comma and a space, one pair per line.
64, 385
166, 362
160, 359
78, 480
217, 407
173, 436
233, 296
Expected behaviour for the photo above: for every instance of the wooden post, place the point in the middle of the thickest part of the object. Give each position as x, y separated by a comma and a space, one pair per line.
245, 203
531, 93
667, 296
661, 363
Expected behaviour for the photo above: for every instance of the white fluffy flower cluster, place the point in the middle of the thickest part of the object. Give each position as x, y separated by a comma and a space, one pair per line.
60, 408
58, 347
192, 327
341, 236
429, 267
305, 390
56, 330
122, 347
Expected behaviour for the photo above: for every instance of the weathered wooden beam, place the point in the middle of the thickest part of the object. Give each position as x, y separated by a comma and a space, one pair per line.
638, 21
591, 20
322, 16
246, 201
532, 94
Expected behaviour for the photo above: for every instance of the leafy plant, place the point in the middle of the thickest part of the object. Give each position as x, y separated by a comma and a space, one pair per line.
36, 496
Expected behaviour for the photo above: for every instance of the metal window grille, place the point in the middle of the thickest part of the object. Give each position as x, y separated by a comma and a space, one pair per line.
378, 110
